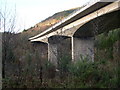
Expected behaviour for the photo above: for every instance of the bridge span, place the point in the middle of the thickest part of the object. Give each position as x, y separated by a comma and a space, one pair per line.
77, 32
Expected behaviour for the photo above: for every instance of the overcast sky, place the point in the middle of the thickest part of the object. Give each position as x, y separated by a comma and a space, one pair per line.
30, 12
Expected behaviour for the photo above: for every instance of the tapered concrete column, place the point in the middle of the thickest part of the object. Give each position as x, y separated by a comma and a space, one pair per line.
82, 47
59, 48
52, 53
41, 50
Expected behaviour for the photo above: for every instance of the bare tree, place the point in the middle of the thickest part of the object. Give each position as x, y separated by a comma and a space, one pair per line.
7, 27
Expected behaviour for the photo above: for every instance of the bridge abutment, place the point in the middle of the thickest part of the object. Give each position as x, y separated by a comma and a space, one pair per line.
82, 48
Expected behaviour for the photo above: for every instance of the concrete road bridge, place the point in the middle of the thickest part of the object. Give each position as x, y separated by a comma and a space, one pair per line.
75, 34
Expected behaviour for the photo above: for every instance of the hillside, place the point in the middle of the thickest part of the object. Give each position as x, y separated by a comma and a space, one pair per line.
50, 21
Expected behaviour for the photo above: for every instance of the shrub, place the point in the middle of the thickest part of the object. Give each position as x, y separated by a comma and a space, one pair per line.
93, 74
49, 69
63, 63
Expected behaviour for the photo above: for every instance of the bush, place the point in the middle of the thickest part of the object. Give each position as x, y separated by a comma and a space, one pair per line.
63, 63
104, 41
49, 69
93, 74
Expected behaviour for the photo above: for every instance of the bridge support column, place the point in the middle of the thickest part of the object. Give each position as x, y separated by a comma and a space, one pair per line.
82, 48
59, 49
52, 53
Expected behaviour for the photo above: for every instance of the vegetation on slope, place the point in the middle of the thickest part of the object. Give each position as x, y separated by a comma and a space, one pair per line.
24, 70
50, 21
26, 64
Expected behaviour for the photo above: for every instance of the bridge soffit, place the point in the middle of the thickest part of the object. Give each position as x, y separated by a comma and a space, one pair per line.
106, 22
101, 12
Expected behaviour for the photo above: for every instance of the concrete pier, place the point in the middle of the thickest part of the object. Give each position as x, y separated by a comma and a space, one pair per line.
82, 48
58, 49
52, 53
